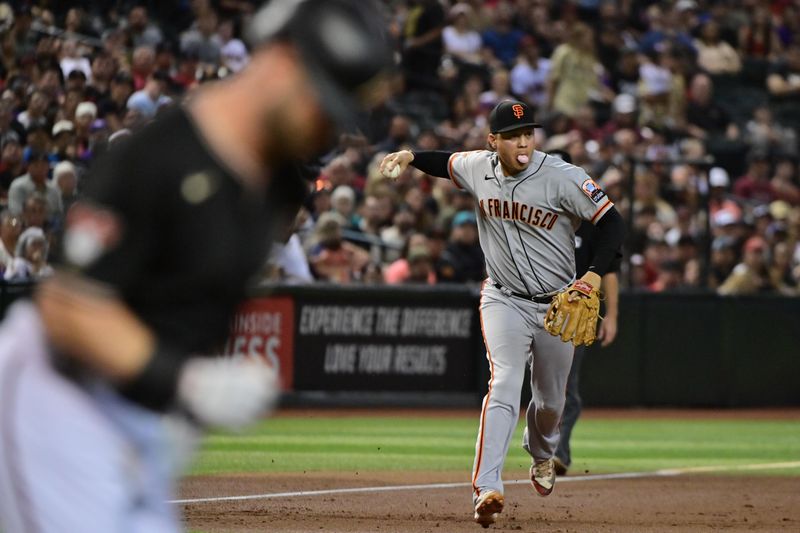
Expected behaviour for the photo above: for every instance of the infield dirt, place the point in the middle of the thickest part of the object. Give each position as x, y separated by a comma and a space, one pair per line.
683, 503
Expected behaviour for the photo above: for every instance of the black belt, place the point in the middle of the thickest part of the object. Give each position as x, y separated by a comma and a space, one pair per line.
536, 299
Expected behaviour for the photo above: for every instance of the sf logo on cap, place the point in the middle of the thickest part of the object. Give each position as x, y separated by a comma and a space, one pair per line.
518, 110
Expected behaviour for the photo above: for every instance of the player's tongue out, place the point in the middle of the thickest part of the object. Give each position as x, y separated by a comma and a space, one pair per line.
522, 159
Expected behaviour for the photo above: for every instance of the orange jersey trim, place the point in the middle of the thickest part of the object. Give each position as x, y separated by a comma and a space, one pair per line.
601, 210
450, 171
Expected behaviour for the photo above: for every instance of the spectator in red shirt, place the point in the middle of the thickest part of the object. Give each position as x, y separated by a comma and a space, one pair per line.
784, 180
670, 277
755, 185
415, 265
142, 65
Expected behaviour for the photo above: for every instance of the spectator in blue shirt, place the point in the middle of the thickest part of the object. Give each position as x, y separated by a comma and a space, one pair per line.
503, 39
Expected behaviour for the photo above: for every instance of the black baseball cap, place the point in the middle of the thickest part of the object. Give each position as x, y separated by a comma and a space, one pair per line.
344, 47
511, 115
76, 74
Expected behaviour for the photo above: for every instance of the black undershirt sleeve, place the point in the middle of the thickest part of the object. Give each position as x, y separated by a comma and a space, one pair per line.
432, 162
608, 242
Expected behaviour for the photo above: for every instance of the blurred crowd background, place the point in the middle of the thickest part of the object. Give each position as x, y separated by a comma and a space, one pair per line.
686, 112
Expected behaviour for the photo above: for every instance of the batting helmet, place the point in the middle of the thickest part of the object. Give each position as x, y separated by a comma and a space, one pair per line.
343, 43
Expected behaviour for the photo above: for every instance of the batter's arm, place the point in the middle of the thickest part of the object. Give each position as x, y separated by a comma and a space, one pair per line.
85, 321
88, 323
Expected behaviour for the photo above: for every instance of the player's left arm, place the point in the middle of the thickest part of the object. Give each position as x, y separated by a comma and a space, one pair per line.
582, 197
607, 244
608, 326
573, 314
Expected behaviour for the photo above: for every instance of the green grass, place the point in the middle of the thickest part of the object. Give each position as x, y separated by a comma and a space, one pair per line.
301, 443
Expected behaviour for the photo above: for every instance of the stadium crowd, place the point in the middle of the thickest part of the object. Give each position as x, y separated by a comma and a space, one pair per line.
686, 112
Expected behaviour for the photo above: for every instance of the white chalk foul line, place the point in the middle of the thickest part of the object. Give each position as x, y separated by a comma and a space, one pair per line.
430, 486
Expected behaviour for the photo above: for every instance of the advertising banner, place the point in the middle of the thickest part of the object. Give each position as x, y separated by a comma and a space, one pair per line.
399, 342
264, 327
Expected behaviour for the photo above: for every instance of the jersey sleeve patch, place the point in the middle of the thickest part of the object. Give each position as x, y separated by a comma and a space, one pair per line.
593, 191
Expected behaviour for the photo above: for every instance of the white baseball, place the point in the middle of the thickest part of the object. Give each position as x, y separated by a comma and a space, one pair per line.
392, 172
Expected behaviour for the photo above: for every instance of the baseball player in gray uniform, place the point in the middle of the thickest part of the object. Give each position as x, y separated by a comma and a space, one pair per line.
528, 205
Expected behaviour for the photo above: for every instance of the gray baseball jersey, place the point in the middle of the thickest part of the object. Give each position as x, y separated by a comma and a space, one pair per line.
527, 228
527, 222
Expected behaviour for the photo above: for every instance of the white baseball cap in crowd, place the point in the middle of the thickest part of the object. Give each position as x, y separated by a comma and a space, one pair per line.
461, 8
86, 108
624, 103
62, 126
64, 167
718, 177
343, 191
724, 218
685, 5
235, 55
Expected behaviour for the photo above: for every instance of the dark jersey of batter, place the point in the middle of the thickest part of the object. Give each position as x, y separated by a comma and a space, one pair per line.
182, 236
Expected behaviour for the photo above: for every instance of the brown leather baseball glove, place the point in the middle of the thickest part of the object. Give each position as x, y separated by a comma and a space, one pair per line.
573, 314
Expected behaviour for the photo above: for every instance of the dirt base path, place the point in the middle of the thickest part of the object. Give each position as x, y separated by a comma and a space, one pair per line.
675, 504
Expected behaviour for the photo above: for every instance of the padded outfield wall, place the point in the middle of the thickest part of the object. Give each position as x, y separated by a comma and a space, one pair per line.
412, 345
420, 345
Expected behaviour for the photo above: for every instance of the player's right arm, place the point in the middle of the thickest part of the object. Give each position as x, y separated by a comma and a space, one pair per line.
86, 322
432, 162
454, 166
